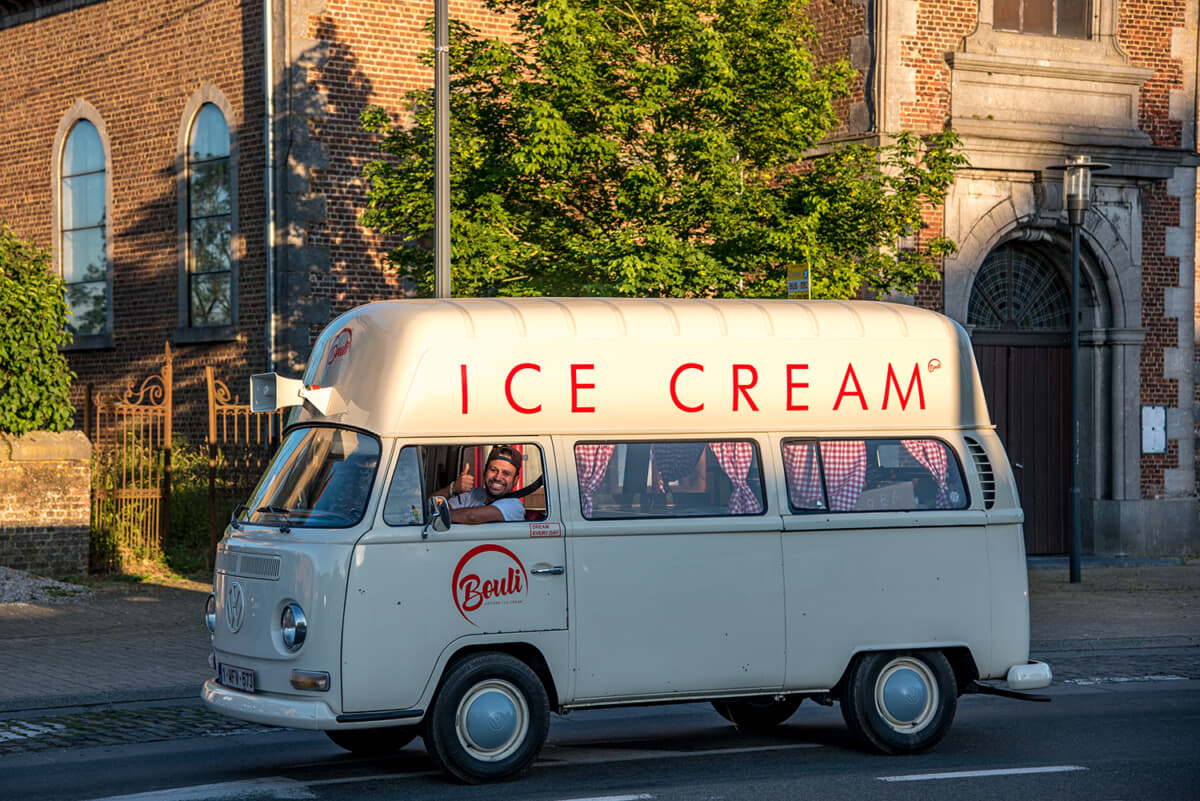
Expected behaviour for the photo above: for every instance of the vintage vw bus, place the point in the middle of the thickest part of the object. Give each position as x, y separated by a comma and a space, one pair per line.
744, 502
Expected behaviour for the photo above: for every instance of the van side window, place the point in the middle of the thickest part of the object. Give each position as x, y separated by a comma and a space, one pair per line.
422, 470
854, 475
404, 504
621, 480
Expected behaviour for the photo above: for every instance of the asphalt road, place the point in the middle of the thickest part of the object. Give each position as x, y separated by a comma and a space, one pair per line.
1130, 740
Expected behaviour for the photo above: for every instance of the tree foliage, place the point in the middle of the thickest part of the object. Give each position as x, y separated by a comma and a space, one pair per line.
653, 148
35, 381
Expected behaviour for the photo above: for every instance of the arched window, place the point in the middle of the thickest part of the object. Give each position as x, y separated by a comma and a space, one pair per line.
209, 221
83, 230
1018, 290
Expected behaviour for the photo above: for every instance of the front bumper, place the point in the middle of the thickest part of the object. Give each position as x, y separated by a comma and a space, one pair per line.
1031, 676
268, 710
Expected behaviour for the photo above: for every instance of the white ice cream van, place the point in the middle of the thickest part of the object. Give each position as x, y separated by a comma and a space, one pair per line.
743, 502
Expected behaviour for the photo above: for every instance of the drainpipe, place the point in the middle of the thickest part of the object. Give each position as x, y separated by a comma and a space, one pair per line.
269, 85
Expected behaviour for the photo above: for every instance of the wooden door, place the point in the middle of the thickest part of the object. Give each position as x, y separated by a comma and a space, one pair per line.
1026, 379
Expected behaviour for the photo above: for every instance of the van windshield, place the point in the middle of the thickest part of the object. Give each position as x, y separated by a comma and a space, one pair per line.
319, 478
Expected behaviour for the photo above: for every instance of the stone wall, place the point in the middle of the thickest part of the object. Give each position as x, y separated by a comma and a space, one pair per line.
45, 491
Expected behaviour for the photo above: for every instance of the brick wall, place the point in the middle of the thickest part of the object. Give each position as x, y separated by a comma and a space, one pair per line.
138, 64
367, 52
838, 24
45, 486
1145, 32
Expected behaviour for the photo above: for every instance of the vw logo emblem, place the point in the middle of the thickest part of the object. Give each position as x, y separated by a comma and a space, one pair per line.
235, 606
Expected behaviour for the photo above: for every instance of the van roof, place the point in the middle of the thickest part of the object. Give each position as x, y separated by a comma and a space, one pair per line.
504, 367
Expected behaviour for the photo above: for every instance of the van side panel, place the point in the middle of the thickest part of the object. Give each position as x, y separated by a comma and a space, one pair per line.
874, 588
676, 607
409, 601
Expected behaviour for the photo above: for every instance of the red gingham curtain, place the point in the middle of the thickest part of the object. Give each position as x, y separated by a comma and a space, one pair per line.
735, 459
845, 463
932, 456
803, 475
591, 462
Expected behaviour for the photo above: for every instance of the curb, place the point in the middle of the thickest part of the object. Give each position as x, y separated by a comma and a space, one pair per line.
46, 703
1114, 644
1064, 562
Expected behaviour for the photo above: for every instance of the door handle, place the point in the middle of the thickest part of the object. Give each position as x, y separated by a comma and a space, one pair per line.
548, 571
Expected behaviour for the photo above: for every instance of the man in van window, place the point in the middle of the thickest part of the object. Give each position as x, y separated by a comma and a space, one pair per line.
487, 504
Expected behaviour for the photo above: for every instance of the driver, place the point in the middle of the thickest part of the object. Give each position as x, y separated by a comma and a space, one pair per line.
487, 504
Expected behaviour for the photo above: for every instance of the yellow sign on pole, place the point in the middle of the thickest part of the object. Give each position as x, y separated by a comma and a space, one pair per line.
798, 285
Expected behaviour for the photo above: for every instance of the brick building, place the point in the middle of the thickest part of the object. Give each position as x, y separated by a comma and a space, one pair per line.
137, 146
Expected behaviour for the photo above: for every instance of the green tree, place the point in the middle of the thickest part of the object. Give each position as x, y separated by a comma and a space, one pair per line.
35, 381
654, 148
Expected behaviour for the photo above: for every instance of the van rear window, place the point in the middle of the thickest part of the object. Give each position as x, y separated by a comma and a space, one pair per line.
620, 480
855, 475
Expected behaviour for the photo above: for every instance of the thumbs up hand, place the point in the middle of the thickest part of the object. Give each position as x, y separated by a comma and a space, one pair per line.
465, 481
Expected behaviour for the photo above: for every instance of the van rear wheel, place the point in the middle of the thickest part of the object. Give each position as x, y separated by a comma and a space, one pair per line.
489, 720
760, 712
900, 702
373, 742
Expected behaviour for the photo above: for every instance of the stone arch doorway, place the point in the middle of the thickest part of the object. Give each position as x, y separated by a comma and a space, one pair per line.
1019, 316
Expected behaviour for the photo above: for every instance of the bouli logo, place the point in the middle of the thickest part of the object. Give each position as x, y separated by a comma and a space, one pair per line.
488, 575
340, 346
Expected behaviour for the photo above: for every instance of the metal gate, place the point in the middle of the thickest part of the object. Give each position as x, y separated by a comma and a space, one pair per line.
1026, 379
240, 444
131, 468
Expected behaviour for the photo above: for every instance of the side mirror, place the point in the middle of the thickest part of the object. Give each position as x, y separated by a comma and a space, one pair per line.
439, 514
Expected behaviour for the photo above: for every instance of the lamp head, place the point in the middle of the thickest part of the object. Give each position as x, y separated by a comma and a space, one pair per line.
1077, 185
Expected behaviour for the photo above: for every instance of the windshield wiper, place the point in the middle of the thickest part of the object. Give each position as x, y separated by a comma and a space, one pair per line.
281, 512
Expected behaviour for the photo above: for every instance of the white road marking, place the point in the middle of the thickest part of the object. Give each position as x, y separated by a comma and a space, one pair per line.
275, 787
280, 789
975, 774
1123, 679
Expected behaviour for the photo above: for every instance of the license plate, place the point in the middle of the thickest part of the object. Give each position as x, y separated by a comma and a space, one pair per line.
237, 678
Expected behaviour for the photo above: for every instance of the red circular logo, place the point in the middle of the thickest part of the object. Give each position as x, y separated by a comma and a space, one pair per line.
488, 575
340, 346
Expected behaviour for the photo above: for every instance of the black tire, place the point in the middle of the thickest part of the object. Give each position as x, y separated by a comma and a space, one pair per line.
760, 712
900, 702
489, 719
373, 742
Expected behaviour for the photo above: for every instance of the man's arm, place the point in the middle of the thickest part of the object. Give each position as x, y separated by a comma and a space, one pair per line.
476, 514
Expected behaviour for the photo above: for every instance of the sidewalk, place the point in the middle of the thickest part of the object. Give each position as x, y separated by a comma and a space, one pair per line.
148, 642
136, 642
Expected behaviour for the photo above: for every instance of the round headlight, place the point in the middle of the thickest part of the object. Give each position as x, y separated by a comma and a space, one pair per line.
210, 614
293, 626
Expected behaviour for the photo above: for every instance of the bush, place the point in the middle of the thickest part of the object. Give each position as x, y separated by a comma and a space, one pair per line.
188, 541
35, 381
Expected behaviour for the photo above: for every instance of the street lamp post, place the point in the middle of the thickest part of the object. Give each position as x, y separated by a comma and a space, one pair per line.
1077, 194
441, 149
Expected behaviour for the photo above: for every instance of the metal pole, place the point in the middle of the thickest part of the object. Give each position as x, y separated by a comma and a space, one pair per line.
1076, 526
441, 149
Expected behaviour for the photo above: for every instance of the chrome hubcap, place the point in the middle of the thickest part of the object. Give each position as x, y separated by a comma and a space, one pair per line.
906, 695
492, 720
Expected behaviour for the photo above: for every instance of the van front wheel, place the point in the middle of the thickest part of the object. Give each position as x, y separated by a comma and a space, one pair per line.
900, 702
489, 720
